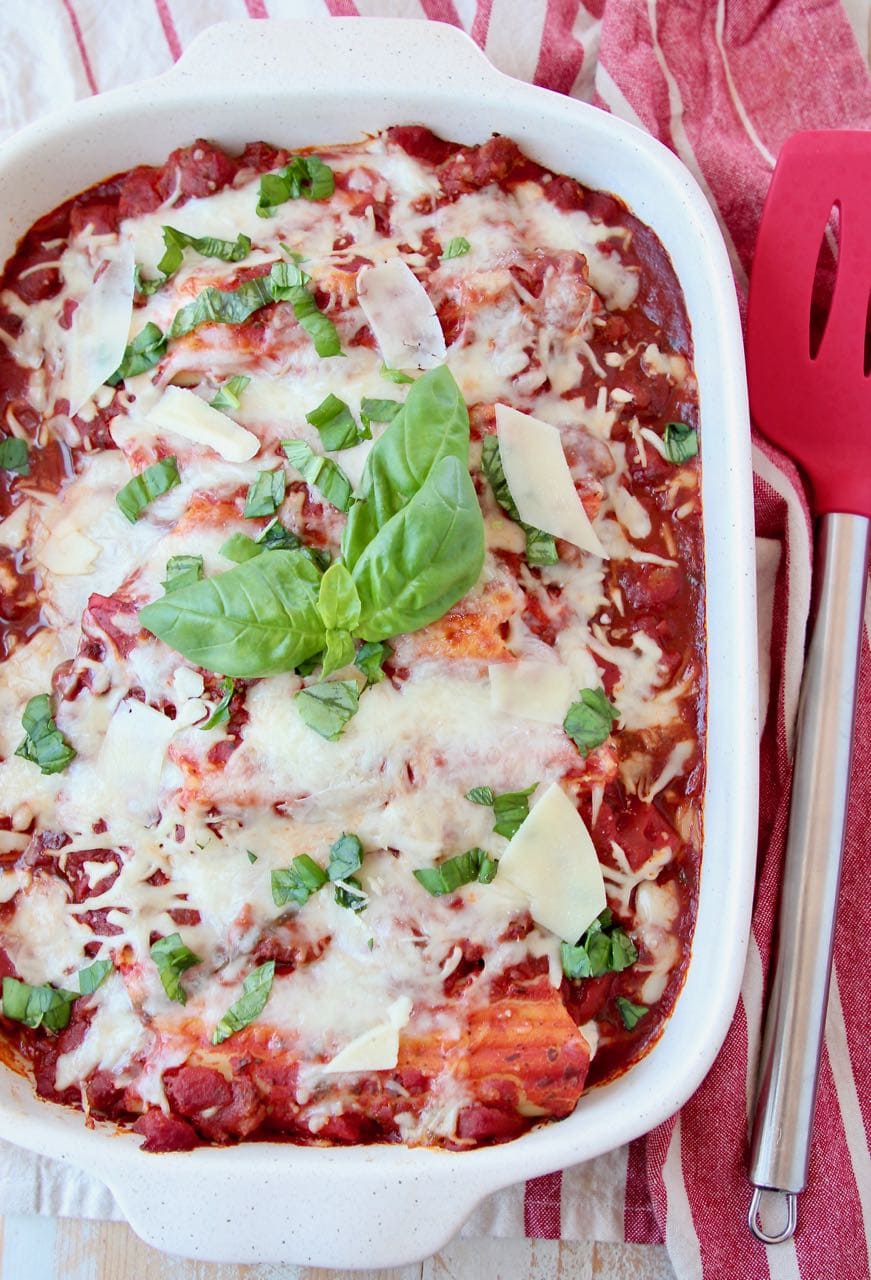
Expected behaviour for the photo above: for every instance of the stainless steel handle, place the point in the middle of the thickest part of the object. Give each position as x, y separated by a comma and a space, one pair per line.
789, 1064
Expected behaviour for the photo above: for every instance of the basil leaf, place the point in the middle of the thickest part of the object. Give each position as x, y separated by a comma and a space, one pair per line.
629, 1012
175, 242
227, 396
481, 795
142, 354
681, 442
239, 548
258, 619
307, 667
255, 993
252, 857
474, 864
266, 494
221, 713
328, 707
371, 657
44, 1006
289, 284
346, 857
540, 546
44, 744
335, 424
172, 958
149, 484
432, 425
217, 306
456, 248
94, 976
588, 721
14, 456
182, 571
425, 558
379, 410
338, 602
604, 948
276, 538
338, 651
306, 177
297, 883
395, 375
321, 473
347, 897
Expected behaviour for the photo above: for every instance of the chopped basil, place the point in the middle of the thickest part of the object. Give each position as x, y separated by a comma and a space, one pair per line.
322, 473
292, 253
14, 456
239, 548
266, 494
629, 1012
474, 864
94, 976
540, 546
143, 353
175, 242
306, 177
252, 857
328, 707
588, 721
456, 248
181, 571
44, 744
149, 484
298, 882
510, 809
351, 894
335, 424
255, 993
395, 375
221, 713
44, 1006
274, 537
371, 658
377, 411
681, 442
227, 396
172, 958
604, 948
285, 282
346, 857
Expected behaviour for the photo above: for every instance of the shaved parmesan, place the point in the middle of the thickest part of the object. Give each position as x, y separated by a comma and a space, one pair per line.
400, 314
184, 413
13, 530
375, 1050
93, 346
134, 750
552, 860
540, 481
536, 690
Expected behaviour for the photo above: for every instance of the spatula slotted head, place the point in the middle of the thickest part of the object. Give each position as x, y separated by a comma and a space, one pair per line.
816, 408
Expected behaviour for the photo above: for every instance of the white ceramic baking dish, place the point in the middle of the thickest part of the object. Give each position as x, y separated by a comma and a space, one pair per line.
329, 81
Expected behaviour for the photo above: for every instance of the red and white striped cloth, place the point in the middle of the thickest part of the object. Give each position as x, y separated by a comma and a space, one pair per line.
723, 83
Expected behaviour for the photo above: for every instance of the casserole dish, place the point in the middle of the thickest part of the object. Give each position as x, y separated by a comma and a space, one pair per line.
379, 1209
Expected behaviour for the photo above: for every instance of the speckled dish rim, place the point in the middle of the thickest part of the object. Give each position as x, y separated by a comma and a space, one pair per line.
323, 81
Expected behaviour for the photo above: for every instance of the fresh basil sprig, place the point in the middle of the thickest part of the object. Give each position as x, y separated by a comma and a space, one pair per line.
322, 473
258, 619
335, 425
306, 177
604, 948
44, 744
371, 658
172, 958
228, 395
265, 494
510, 809
149, 484
474, 864
540, 546
175, 242
681, 442
143, 353
339, 607
44, 1006
629, 1012
327, 707
255, 993
588, 721
14, 456
377, 411
181, 571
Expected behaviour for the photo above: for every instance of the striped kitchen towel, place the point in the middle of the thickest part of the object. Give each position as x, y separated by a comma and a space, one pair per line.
722, 83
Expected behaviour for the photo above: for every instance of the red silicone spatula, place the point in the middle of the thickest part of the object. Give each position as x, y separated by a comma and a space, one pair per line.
817, 409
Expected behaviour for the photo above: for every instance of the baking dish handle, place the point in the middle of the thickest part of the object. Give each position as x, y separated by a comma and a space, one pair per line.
277, 56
